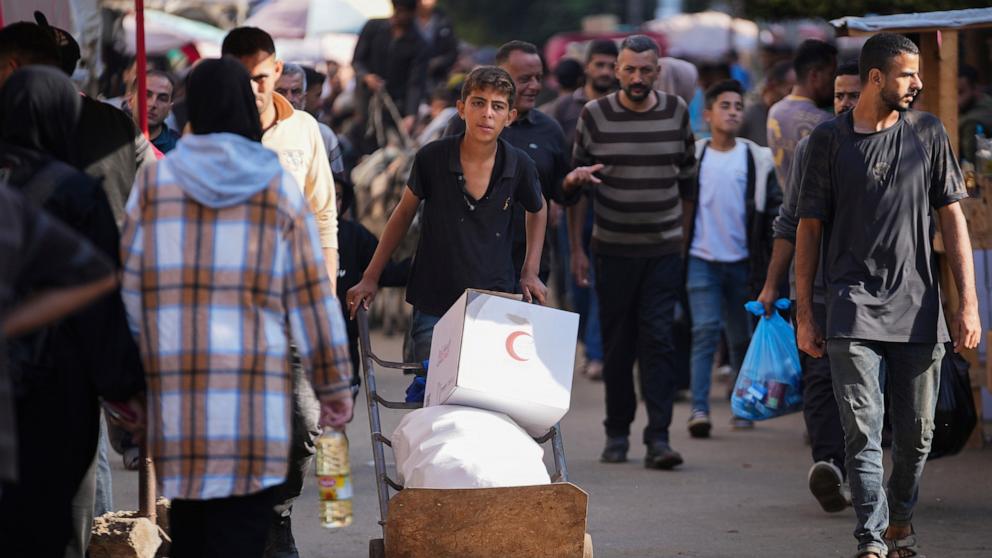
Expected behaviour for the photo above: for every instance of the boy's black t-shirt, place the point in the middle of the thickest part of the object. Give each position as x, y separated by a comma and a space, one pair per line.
466, 243
875, 194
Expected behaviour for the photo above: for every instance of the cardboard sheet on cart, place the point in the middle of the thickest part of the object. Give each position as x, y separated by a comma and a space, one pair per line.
492, 351
449, 446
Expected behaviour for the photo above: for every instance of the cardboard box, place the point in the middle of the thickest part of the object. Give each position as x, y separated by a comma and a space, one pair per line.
492, 351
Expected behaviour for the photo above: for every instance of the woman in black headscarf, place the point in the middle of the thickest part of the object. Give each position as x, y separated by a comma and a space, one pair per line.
59, 372
229, 182
39, 111
219, 98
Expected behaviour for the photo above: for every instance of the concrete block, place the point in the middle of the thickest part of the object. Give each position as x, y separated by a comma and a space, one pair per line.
122, 535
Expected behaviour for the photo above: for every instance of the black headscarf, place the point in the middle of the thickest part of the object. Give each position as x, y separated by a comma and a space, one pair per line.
219, 98
39, 111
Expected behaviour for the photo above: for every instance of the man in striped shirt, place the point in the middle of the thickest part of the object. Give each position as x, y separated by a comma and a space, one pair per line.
635, 151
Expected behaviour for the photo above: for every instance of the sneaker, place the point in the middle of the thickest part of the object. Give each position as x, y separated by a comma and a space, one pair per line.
699, 424
660, 455
827, 485
594, 370
741, 423
615, 450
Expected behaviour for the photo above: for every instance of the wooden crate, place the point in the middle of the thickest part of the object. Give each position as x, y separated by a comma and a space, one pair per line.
547, 521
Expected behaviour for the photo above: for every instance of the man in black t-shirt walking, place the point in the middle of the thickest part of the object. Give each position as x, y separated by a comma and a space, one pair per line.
869, 193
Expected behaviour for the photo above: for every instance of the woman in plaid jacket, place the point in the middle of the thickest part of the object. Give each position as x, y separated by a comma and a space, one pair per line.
223, 274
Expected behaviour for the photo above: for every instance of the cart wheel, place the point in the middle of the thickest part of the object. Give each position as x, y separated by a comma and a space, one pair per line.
587, 547
377, 548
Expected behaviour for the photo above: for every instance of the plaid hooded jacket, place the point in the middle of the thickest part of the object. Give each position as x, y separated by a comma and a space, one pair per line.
222, 271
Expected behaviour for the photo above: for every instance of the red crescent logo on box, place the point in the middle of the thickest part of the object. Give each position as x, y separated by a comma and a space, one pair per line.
510, 340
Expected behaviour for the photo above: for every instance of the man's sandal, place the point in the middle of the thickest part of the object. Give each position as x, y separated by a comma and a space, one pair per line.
904, 548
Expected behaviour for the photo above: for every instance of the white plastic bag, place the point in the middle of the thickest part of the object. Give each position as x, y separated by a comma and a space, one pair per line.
449, 446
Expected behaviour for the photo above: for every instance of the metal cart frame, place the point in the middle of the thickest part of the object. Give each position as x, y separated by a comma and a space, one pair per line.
383, 482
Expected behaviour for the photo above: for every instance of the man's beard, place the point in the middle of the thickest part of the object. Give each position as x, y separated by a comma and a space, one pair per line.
604, 85
893, 101
637, 97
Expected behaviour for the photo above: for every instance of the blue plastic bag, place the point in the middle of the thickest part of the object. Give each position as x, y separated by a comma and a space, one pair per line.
770, 381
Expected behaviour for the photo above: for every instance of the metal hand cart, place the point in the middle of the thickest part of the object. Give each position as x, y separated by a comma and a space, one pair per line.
547, 521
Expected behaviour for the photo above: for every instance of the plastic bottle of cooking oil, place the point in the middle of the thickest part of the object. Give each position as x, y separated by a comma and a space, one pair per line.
334, 479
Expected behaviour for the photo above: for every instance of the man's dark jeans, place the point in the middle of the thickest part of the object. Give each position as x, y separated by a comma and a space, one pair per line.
826, 435
233, 526
637, 299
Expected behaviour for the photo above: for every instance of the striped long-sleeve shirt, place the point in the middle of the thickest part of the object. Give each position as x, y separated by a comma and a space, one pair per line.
215, 296
648, 163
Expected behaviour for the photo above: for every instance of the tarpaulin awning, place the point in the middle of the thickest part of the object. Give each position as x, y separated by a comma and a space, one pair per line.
910, 23
165, 32
299, 19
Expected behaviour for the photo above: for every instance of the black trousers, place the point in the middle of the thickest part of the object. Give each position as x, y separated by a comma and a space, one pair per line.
235, 527
57, 429
637, 299
819, 403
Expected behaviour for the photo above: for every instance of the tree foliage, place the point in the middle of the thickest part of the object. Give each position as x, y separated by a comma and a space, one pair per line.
494, 22
832, 9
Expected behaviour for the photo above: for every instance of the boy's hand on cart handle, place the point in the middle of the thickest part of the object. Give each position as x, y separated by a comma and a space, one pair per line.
967, 330
533, 289
363, 293
336, 412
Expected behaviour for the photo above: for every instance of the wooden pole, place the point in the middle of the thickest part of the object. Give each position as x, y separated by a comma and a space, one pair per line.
142, 65
146, 474
939, 61
146, 485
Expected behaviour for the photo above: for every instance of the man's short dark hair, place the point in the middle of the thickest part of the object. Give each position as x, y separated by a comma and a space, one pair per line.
847, 69
490, 77
640, 43
879, 50
445, 94
569, 73
30, 44
504, 52
603, 47
969, 74
405, 4
779, 72
721, 87
314, 78
247, 41
813, 54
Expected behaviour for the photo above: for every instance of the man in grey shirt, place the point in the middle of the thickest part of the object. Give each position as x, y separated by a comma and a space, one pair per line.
827, 476
878, 173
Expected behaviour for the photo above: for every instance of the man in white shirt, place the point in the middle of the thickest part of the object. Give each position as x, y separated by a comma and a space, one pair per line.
295, 137
736, 199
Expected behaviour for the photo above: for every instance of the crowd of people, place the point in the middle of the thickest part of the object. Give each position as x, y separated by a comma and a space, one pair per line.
196, 283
